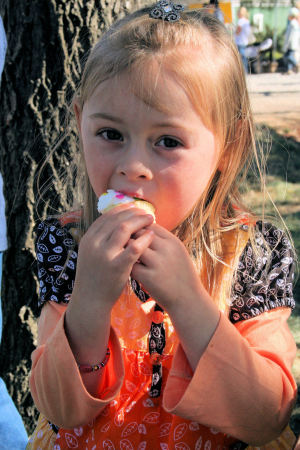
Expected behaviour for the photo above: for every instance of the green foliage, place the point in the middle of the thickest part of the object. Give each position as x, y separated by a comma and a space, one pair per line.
284, 158
283, 183
270, 33
262, 35
280, 41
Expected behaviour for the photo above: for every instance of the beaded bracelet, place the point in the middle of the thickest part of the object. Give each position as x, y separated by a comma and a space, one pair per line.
86, 368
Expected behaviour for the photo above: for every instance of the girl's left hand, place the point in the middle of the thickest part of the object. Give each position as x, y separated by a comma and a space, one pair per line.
167, 271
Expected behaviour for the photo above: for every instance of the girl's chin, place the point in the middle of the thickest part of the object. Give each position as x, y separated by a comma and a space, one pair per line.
167, 225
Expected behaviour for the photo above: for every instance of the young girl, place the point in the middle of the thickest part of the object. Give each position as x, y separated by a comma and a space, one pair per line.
204, 362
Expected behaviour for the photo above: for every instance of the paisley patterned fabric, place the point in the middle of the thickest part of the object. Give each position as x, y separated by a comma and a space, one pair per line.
261, 285
133, 418
157, 340
56, 253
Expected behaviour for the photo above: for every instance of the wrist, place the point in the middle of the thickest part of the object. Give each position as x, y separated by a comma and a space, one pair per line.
181, 300
87, 333
195, 307
88, 368
85, 300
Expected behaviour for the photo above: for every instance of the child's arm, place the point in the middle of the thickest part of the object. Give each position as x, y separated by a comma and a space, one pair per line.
242, 384
81, 333
219, 359
105, 258
169, 275
57, 386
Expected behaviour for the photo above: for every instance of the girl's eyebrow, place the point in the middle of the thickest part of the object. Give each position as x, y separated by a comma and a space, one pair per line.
169, 125
103, 115
106, 116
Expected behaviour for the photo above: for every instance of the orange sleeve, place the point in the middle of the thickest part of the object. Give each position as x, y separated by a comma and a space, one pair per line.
243, 384
55, 381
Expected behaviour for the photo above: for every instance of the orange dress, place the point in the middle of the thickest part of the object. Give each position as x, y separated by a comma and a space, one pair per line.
241, 390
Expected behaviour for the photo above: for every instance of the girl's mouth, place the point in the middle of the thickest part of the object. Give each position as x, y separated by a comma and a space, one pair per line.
133, 195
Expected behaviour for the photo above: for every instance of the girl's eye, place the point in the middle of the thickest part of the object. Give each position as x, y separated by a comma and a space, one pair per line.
109, 134
168, 142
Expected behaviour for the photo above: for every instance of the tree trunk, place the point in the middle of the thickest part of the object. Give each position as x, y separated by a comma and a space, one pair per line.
46, 42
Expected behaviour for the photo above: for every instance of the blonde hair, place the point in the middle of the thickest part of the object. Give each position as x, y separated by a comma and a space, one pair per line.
213, 78
243, 12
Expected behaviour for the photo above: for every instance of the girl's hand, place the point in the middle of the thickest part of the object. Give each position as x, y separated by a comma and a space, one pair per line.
107, 254
166, 270
105, 259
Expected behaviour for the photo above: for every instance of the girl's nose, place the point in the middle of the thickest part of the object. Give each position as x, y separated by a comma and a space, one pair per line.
134, 166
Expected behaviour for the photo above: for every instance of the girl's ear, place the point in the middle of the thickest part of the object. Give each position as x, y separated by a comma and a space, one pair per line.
77, 111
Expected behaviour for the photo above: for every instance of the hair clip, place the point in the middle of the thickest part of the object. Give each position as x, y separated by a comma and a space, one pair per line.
166, 10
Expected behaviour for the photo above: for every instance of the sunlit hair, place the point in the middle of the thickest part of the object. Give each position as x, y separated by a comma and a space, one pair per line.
212, 76
200, 55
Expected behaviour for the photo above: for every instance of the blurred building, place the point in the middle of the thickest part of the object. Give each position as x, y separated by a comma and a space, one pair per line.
263, 14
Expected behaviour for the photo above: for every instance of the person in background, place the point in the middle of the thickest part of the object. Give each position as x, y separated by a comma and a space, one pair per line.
242, 33
217, 12
291, 42
12, 432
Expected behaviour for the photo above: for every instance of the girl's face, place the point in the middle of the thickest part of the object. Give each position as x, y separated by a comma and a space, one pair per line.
165, 156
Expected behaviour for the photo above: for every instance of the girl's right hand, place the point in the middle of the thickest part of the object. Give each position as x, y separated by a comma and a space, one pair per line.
107, 254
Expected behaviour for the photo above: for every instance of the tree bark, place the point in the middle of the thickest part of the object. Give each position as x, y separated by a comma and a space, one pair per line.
47, 40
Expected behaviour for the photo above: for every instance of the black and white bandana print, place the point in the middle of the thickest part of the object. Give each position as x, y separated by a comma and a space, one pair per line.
157, 341
260, 284
56, 253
